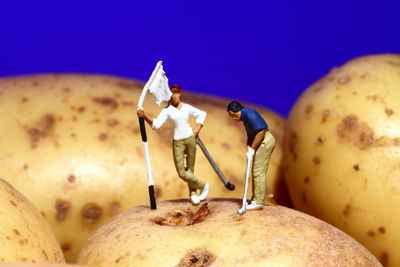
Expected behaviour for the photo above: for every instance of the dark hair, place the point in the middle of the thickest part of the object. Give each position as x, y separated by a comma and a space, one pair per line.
234, 106
176, 88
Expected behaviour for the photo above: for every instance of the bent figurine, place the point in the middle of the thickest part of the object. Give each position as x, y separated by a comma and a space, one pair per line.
260, 143
184, 141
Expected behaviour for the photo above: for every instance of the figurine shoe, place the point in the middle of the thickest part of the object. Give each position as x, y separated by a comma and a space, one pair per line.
195, 199
254, 206
204, 192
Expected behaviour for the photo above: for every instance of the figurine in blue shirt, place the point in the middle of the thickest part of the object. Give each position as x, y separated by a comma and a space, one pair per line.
260, 143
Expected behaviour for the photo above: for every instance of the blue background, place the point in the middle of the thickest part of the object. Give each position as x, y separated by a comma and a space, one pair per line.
265, 52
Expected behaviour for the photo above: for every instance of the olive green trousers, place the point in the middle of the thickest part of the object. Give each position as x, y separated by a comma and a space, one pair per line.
187, 147
260, 167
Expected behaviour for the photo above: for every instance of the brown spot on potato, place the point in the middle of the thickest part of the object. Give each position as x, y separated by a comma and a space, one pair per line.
358, 133
158, 192
103, 136
346, 210
23, 242
316, 160
356, 167
67, 89
13, 203
318, 88
389, 111
112, 122
42, 128
35, 83
371, 233
106, 101
226, 146
114, 207
306, 180
91, 212
343, 80
25, 167
197, 257
319, 141
292, 142
81, 109
382, 230
62, 209
24, 100
65, 247
8, 238
183, 218
71, 179
309, 108
325, 115
395, 63
117, 260
361, 135
127, 84
384, 259
16, 232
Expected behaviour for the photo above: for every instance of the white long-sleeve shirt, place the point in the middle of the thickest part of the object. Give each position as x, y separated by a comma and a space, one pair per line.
179, 119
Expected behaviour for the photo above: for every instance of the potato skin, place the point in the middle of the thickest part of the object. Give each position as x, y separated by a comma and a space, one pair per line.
342, 151
274, 236
25, 236
72, 145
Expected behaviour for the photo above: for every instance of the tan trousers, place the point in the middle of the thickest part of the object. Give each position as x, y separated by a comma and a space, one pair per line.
260, 167
187, 147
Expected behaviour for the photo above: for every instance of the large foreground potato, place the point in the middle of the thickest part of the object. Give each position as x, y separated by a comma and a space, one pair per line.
25, 236
72, 145
342, 152
178, 234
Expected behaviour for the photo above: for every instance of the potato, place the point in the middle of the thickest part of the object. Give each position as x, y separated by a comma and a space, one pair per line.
72, 145
342, 152
25, 236
178, 234
38, 265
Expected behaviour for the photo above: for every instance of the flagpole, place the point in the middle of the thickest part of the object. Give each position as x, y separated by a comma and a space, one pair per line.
153, 204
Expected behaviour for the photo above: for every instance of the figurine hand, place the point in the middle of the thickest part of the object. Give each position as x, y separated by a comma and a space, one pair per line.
250, 153
196, 132
140, 112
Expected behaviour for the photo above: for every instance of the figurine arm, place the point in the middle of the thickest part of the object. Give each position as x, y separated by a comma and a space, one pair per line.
196, 130
199, 114
200, 118
160, 120
258, 140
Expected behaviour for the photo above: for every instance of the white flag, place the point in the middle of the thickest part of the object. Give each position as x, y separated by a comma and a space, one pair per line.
157, 85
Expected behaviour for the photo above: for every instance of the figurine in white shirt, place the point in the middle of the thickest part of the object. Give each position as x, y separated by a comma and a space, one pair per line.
177, 113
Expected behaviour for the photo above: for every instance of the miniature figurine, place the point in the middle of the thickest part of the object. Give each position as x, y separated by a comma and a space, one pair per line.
184, 140
260, 143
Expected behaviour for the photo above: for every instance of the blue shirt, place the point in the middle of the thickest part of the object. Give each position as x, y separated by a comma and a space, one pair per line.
253, 122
